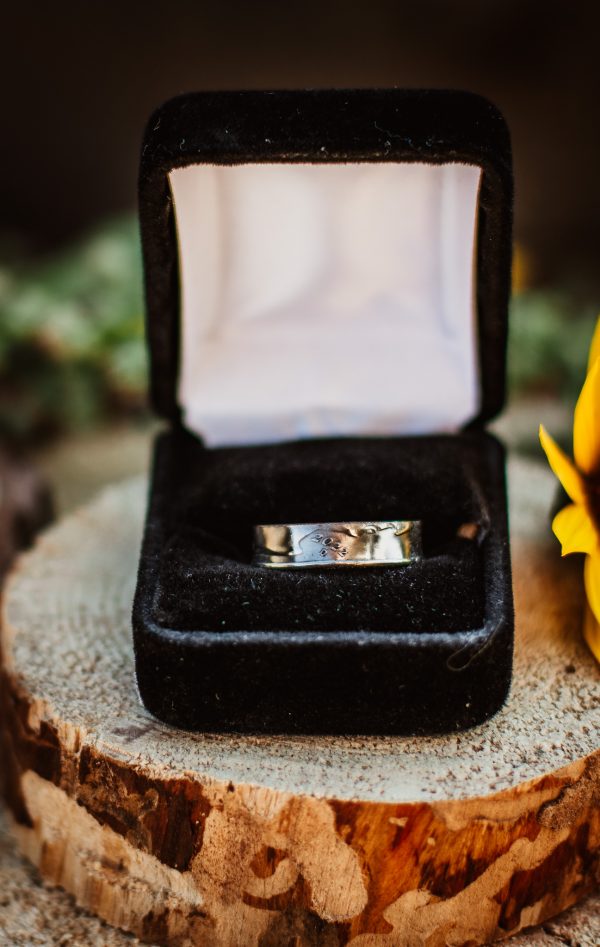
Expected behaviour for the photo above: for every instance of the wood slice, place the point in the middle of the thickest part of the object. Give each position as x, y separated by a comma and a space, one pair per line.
234, 841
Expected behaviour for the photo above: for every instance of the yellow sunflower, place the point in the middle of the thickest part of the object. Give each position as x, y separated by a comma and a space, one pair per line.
577, 526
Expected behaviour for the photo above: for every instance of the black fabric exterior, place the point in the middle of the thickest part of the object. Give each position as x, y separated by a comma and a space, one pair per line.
224, 645
320, 126
221, 645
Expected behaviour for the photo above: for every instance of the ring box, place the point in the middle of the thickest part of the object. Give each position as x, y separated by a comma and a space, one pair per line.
327, 278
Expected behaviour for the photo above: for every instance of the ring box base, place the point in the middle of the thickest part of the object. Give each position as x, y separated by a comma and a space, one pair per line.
222, 645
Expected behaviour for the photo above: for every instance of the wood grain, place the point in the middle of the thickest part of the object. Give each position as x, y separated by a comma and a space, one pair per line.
225, 840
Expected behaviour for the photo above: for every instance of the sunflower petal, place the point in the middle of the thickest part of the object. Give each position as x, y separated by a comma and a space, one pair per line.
595, 347
562, 467
591, 576
574, 529
586, 429
591, 632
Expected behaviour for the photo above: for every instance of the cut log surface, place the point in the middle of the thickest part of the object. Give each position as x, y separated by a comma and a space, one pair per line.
233, 841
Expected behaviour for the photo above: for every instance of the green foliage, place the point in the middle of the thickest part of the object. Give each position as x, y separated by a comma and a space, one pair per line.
549, 340
72, 335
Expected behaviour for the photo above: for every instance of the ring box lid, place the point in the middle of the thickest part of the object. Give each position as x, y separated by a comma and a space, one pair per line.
330, 262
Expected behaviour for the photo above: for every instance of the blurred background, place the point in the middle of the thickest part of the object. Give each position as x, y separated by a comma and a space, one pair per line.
79, 81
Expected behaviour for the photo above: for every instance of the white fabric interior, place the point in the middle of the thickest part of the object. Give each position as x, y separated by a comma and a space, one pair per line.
326, 299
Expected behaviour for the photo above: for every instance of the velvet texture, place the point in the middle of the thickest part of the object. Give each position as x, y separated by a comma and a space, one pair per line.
222, 645
206, 556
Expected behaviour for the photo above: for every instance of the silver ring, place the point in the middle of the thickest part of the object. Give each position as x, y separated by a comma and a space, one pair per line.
306, 545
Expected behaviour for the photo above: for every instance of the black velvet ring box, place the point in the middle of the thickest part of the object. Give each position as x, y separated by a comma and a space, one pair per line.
327, 279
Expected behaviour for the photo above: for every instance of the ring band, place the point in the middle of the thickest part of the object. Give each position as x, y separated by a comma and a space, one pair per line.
305, 545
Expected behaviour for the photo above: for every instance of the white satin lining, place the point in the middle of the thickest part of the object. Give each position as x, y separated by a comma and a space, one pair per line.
326, 299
